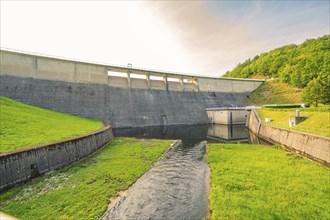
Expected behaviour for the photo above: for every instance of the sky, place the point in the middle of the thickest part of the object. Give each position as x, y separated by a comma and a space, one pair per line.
204, 38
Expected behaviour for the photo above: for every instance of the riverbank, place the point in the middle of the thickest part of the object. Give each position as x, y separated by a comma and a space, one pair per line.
83, 190
23, 126
176, 188
262, 182
316, 122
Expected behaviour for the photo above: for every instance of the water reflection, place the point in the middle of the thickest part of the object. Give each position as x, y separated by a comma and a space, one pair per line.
228, 133
184, 132
209, 132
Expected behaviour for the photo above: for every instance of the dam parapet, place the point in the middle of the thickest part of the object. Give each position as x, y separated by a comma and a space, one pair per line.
59, 69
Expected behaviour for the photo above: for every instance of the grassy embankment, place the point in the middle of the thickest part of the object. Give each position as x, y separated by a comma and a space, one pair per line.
258, 182
317, 121
24, 125
82, 191
275, 92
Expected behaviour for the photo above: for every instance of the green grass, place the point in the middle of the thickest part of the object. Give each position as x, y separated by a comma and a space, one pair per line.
259, 182
83, 190
275, 92
317, 121
24, 125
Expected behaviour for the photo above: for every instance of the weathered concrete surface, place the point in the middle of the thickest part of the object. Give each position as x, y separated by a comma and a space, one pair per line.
51, 68
232, 116
89, 90
119, 106
176, 188
311, 146
22, 165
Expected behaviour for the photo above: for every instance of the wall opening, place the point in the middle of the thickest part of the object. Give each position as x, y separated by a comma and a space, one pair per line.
191, 81
158, 78
117, 74
137, 76
170, 79
34, 170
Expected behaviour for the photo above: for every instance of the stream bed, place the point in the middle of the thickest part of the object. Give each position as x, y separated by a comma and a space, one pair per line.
177, 186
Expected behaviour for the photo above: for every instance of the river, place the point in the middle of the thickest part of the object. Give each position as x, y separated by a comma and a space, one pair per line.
177, 186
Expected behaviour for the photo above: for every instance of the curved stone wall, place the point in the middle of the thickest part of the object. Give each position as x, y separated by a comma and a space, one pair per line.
22, 165
311, 146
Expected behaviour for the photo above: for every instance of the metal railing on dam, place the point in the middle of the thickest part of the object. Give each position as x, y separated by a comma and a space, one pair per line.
131, 98
62, 69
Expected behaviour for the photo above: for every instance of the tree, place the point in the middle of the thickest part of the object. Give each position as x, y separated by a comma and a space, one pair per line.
317, 91
293, 64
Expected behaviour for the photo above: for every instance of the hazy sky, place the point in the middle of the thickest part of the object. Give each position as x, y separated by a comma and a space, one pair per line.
197, 37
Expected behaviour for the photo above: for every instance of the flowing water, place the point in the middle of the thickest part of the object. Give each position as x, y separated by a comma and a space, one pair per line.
177, 187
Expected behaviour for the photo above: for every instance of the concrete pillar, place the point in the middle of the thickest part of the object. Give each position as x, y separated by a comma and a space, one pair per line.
197, 84
75, 72
106, 74
148, 80
165, 81
129, 79
181, 82
35, 67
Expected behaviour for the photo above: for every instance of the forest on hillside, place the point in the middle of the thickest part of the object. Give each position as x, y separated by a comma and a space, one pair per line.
303, 66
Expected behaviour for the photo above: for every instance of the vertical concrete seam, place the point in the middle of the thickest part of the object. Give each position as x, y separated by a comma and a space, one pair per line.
75, 72
35, 67
129, 79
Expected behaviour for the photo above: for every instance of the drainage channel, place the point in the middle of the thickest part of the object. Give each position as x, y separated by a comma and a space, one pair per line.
177, 187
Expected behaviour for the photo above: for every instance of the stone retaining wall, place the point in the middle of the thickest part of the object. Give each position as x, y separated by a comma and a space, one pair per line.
22, 165
311, 146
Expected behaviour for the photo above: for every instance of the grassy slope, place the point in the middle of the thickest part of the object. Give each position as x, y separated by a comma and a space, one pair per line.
258, 182
317, 122
275, 92
82, 191
24, 125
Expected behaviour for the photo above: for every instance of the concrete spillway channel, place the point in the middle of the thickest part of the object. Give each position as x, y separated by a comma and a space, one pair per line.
176, 188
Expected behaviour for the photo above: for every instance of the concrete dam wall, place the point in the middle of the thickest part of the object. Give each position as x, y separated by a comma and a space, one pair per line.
135, 98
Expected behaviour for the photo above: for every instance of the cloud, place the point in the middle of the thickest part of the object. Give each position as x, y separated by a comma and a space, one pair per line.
218, 35
212, 42
199, 37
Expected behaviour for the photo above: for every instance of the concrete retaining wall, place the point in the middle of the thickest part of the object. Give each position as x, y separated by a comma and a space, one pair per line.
311, 146
19, 166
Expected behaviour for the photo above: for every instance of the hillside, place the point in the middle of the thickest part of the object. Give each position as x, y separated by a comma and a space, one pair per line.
292, 64
275, 92
299, 66
24, 125
316, 121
